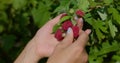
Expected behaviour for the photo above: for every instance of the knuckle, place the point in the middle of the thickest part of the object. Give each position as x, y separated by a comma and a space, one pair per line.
60, 45
79, 49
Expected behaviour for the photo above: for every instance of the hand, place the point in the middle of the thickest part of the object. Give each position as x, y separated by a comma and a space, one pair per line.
68, 51
42, 44
44, 40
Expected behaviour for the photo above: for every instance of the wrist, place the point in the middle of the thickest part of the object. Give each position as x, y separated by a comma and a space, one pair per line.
29, 54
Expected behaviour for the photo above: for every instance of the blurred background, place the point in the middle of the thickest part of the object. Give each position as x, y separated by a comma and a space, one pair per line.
20, 20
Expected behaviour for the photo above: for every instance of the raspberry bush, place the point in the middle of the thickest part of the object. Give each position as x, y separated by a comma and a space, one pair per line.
20, 19
65, 23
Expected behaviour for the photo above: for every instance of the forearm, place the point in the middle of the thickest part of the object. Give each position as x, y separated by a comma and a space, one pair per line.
29, 54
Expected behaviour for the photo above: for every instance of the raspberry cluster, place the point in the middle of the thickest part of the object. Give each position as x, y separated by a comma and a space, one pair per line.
64, 25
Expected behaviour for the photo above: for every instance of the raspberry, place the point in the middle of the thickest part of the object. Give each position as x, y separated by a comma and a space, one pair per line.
66, 25
79, 13
58, 35
75, 31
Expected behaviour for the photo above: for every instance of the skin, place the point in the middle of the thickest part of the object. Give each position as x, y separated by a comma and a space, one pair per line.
44, 44
71, 52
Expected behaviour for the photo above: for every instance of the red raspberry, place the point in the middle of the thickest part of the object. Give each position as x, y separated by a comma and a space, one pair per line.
80, 13
58, 35
75, 31
66, 25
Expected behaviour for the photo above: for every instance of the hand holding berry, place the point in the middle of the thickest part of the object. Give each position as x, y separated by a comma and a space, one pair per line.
44, 42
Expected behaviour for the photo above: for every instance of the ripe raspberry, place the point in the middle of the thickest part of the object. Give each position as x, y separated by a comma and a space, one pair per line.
58, 35
75, 31
79, 13
66, 25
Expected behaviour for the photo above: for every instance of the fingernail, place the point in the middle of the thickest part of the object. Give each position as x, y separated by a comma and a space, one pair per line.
76, 18
69, 30
81, 20
88, 31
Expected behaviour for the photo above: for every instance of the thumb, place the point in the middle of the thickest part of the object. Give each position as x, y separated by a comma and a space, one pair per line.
68, 38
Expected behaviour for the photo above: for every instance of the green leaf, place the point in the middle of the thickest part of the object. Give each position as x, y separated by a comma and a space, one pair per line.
3, 17
108, 1
112, 28
55, 28
115, 14
64, 19
103, 16
19, 4
83, 5
107, 48
99, 34
63, 7
8, 42
92, 3
1, 28
116, 57
92, 59
41, 15
96, 55
98, 25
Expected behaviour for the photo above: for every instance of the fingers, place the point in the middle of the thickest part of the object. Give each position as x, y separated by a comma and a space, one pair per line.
88, 31
83, 38
50, 24
80, 23
68, 39
54, 20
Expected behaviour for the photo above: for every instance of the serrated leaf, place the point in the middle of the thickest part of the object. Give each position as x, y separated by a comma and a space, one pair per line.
99, 34
92, 3
106, 48
98, 25
115, 14
55, 28
112, 28
92, 59
103, 16
83, 5
63, 7
64, 19
41, 15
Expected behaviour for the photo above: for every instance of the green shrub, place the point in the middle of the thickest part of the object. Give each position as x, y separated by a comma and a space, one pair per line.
20, 19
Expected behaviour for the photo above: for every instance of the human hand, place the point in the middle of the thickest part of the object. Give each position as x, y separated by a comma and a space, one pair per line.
68, 51
45, 41
42, 44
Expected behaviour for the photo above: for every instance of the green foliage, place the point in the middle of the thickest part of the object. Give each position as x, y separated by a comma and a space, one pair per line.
20, 19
